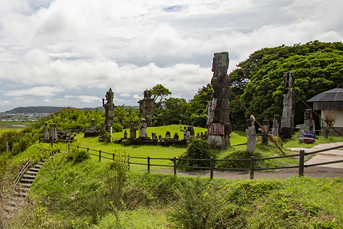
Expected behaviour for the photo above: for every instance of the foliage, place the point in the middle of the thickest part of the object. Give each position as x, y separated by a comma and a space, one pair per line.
241, 164
198, 149
318, 67
76, 156
328, 121
172, 111
200, 207
117, 127
159, 91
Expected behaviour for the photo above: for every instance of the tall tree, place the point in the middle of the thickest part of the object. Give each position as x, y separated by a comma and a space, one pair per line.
159, 92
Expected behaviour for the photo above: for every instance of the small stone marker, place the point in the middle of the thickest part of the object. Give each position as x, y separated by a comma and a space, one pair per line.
251, 134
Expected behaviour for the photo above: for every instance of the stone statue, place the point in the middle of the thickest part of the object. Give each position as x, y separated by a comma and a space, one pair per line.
109, 111
46, 132
287, 121
218, 110
168, 135
125, 135
276, 125
176, 137
146, 107
92, 125
309, 122
142, 128
132, 131
251, 134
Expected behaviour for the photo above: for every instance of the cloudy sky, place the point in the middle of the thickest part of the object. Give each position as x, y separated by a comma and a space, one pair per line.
70, 52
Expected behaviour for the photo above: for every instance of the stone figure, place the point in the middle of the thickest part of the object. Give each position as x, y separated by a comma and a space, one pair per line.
92, 125
191, 130
109, 111
132, 131
154, 136
287, 121
309, 122
180, 128
218, 109
125, 135
251, 134
142, 128
265, 138
46, 132
198, 135
176, 137
168, 134
276, 125
146, 107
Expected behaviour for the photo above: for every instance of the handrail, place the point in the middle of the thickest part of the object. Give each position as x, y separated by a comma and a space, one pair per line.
21, 173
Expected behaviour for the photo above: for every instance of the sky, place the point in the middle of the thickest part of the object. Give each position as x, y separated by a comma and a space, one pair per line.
70, 52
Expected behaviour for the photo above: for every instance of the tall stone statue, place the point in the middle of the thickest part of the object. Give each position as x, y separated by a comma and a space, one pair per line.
46, 132
251, 134
146, 107
287, 121
218, 113
109, 111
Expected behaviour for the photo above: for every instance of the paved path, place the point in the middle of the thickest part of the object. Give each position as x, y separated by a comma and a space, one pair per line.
332, 170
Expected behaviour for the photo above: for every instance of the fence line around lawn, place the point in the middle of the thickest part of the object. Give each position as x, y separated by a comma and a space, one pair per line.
252, 160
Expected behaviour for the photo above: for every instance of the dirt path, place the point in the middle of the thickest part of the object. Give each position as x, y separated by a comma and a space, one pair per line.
332, 170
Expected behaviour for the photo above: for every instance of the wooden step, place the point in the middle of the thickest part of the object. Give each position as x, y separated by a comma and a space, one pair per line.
34, 169
25, 184
30, 172
22, 180
38, 166
20, 194
27, 176
22, 189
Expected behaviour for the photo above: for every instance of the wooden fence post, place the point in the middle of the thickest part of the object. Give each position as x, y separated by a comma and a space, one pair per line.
211, 168
148, 164
100, 155
174, 166
252, 167
68, 148
301, 163
113, 156
128, 162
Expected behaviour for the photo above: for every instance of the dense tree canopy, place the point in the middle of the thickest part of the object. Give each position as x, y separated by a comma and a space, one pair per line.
258, 81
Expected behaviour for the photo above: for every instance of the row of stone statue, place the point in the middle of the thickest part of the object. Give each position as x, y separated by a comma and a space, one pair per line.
51, 134
306, 129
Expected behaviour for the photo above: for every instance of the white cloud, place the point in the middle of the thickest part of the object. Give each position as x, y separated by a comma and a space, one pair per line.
53, 47
45, 91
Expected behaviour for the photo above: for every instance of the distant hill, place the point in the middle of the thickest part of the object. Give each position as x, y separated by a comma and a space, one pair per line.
46, 109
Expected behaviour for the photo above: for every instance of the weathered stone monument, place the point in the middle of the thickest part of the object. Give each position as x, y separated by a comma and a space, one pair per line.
168, 134
309, 122
125, 135
142, 129
146, 107
109, 111
276, 125
265, 138
132, 131
91, 132
154, 136
176, 137
218, 114
287, 121
46, 132
251, 134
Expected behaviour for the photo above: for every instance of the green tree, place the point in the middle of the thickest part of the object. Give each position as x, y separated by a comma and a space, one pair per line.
318, 67
159, 92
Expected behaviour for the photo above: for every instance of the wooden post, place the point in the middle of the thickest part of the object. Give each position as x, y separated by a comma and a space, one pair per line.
128, 162
301, 163
68, 148
174, 166
113, 156
100, 155
148, 164
252, 167
211, 168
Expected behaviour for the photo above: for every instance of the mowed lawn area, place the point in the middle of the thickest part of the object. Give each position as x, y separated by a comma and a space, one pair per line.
146, 150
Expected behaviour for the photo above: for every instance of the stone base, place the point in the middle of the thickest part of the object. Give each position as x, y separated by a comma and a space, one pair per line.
286, 132
222, 141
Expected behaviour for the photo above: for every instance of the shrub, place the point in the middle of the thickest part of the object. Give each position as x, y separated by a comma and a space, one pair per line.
77, 156
117, 127
126, 142
198, 149
241, 164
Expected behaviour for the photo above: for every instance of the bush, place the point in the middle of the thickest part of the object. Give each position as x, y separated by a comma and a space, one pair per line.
77, 156
117, 127
198, 149
241, 164
201, 207
126, 142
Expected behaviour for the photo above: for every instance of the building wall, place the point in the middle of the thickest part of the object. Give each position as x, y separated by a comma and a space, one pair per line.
338, 117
